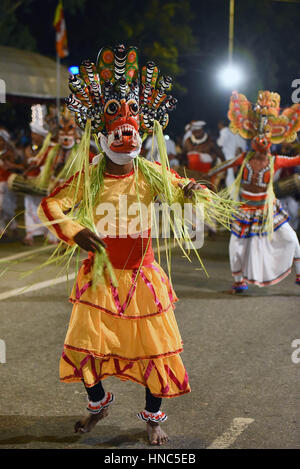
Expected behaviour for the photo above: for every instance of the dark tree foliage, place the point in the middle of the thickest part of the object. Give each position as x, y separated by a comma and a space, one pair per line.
187, 38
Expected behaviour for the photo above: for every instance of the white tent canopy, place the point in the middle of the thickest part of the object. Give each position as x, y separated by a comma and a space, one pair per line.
31, 75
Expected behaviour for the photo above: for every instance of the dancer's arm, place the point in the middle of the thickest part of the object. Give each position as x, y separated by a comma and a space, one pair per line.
187, 184
286, 161
55, 206
237, 161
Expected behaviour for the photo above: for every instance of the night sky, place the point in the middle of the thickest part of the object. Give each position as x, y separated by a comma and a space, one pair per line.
267, 36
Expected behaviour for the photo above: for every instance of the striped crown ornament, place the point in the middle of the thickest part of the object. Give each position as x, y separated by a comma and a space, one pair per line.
97, 88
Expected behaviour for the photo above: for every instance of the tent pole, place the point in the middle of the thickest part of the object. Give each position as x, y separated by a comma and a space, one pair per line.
57, 85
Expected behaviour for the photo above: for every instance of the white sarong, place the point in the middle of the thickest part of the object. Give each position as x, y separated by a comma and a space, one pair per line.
263, 261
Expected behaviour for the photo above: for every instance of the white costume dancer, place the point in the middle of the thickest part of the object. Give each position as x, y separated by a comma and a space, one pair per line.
232, 145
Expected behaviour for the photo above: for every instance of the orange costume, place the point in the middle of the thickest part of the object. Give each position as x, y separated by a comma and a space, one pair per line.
127, 331
123, 326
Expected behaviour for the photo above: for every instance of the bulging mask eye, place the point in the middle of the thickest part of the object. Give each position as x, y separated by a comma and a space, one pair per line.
112, 108
134, 107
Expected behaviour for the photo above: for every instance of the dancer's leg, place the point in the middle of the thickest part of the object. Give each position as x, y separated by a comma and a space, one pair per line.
297, 263
236, 253
97, 408
152, 403
153, 416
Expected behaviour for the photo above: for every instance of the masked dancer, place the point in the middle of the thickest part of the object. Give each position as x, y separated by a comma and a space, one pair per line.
263, 246
124, 325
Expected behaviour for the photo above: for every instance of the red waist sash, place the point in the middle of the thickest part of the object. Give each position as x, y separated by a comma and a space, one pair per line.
127, 253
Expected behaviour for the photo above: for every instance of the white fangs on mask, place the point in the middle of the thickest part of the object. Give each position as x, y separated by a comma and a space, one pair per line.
116, 136
120, 158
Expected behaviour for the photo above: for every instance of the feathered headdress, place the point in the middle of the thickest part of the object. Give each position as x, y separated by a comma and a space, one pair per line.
264, 117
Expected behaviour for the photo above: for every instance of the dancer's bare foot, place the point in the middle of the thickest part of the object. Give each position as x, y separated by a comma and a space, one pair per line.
86, 424
156, 435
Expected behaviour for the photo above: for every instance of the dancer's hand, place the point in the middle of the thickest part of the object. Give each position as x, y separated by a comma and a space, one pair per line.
190, 187
28, 170
88, 240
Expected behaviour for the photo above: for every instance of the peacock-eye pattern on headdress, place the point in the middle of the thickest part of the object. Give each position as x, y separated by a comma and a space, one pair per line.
247, 119
116, 76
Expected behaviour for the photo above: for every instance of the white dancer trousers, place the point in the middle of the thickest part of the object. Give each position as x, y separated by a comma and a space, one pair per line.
31, 203
262, 261
8, 205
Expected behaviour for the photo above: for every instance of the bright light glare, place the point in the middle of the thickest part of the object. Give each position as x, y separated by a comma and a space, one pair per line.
230, 76
74, 69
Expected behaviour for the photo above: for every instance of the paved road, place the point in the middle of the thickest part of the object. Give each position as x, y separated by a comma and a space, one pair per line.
245, 387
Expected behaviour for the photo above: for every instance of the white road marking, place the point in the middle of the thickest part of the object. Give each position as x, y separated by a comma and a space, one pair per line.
25, 254
37, 286
237, 427
2, 351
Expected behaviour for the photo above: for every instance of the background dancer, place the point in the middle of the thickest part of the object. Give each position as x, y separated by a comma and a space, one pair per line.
8, 164
263, 246
201, 152
36, 155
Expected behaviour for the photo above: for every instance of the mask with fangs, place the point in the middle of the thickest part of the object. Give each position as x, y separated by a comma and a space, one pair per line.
121, 103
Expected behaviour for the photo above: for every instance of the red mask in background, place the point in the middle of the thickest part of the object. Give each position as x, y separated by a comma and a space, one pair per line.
67, 133
260, 144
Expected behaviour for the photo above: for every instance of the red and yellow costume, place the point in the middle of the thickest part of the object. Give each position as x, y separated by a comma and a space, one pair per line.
124, 326
127, 331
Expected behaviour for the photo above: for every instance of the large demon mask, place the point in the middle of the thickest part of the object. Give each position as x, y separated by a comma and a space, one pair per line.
262, 122
121, 104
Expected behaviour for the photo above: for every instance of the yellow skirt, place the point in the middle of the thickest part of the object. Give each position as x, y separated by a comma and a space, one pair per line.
129, 332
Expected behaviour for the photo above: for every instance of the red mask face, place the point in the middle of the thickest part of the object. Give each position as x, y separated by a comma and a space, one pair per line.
122, 124
67, 134
261, 144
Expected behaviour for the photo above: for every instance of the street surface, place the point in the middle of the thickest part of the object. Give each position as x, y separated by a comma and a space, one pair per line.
237, 351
